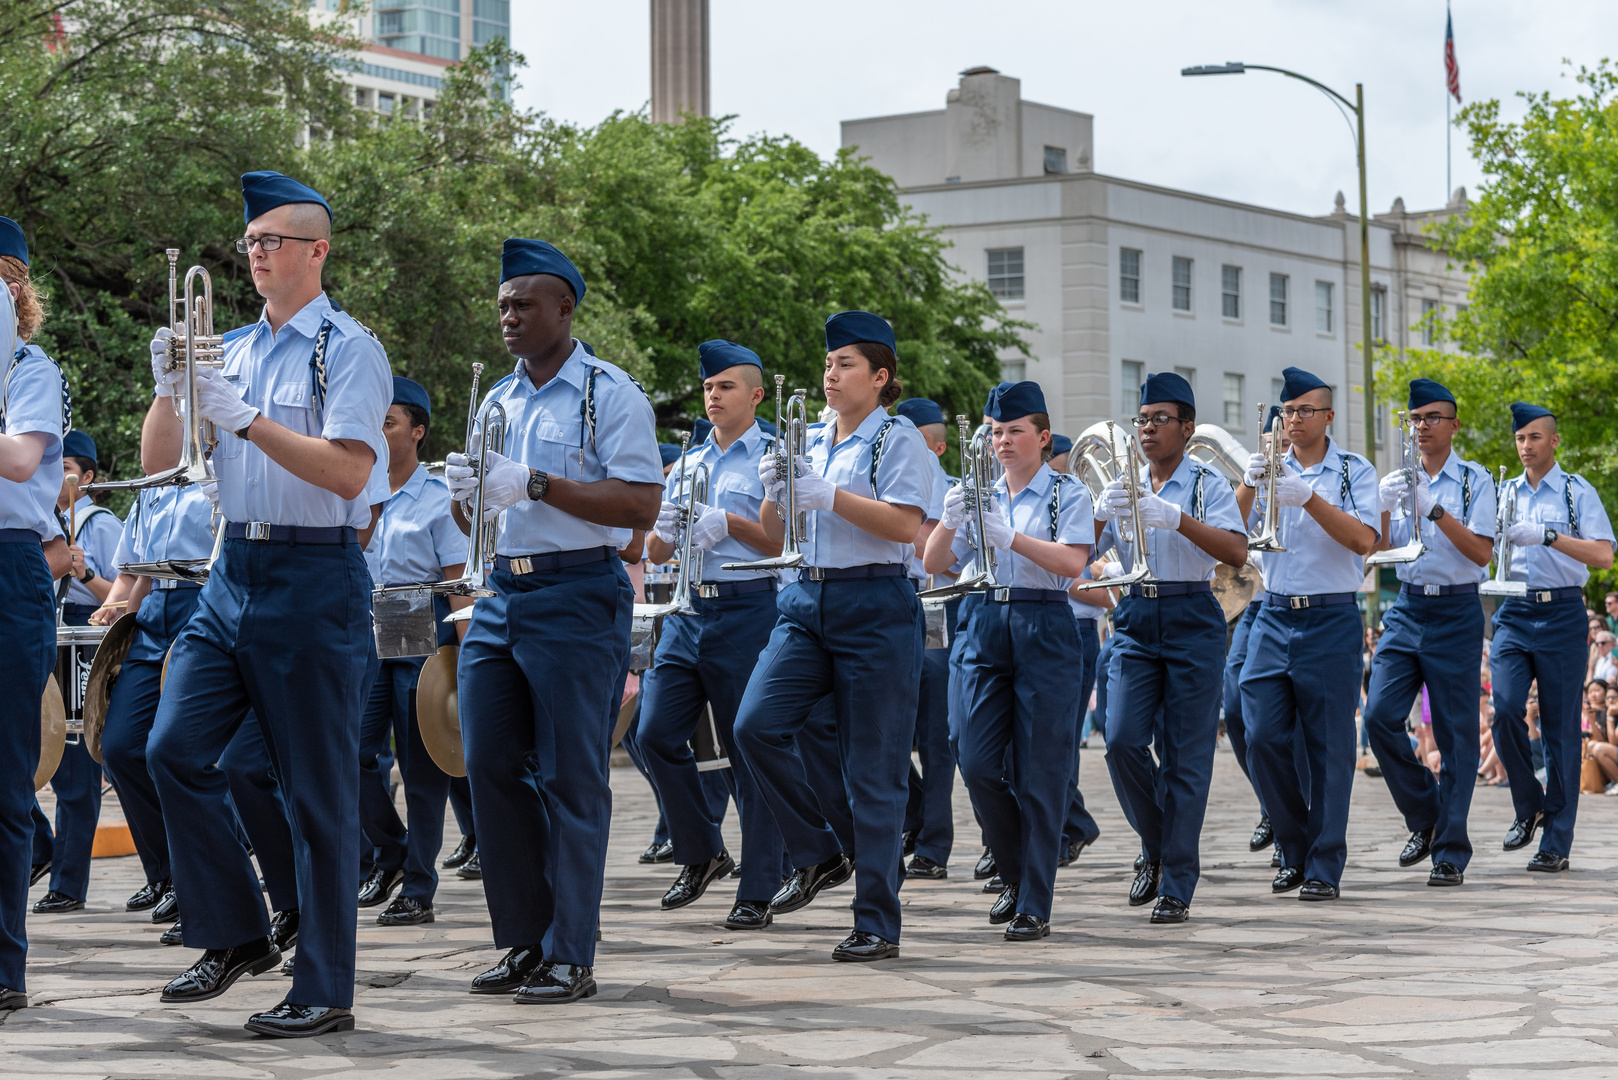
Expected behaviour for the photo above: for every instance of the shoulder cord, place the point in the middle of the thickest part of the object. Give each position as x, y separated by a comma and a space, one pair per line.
879, 446
587, 410
1567, 494
5, 390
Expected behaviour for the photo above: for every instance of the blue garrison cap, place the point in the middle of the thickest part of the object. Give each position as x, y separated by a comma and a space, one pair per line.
700, 430
1275, 414
264, 191
410, 392
77, 444
1164, 387
1523, 413
1060, 444
717, 355
1298, 383
1009, 402
669, 452
521, 257
12, 241
920, 411
1426, 391
851, 327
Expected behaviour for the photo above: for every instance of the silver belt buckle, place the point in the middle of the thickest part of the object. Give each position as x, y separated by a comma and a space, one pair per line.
1542, 596
1297, 603
1432, 590
814, 573
708, 592
1000, 596
1148, 592
522, 566
257, 530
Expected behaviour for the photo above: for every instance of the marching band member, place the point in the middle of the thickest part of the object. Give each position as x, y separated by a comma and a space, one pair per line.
543, 664
33, 418
1015, 678
1560, 531
1303, 651
1164, 672
709, 656
1090, 607
1433, 635
298, 405
849, 624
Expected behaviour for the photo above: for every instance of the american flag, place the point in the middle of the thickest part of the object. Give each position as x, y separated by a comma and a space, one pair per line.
1452, 70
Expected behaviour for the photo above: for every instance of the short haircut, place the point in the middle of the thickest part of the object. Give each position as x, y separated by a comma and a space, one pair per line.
310, 220
418, 419
752, 375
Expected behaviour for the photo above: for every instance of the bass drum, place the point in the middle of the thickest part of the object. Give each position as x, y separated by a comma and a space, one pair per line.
52, 733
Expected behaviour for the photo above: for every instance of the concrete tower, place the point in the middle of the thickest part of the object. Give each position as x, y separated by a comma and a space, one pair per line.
679, 59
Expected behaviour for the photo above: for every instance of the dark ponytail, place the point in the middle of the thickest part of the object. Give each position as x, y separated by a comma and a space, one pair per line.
881, 358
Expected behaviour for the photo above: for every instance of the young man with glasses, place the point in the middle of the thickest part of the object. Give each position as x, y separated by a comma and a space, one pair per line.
1433, 634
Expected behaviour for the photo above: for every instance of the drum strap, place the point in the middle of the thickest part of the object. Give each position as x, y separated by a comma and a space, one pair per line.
86, 516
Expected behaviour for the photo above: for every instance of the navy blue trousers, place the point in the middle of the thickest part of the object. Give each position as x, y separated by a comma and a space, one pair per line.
1436, 641
280, 630
637, 758
460, 804
77, 786
1235, 658
265, 823
28, 643
861, 643
933, 788
816, 747
1080, 826
1543, 642
1302, 677
1016, 684
1163, 681
390, 710
541, 680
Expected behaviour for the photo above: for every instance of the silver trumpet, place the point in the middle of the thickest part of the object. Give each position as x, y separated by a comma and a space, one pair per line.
1127, 466
1409, 462
791, 441
693, 487
979, 471
1269, 523
1505, 516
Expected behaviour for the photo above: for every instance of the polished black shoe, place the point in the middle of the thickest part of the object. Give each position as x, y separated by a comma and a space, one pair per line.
1275, 858
1263, 835
289, 1021
284, 928
1545, 863
511, 972
749, 915
908, 838
1004, 907
286, 968
695, 879
985, 866
173, 935
56, 903
805, 884
1521, 833
658, 852
463, 851
380, 885
1143, 890
1139, 863
40, 870
1170, 910
920, 866
557, 984
1027, 928
1314, 889
12, 999
218, 968
168, 908
996, 884
149, 895
1073, 850
471, 869
1417, 848
1286, 879
1445, 873
862, 945
405, 911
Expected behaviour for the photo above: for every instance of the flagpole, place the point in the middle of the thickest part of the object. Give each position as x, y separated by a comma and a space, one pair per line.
1449, 180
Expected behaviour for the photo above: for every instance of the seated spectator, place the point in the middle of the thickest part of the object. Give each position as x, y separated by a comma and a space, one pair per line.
1612, 612
1604, 667
1600, 740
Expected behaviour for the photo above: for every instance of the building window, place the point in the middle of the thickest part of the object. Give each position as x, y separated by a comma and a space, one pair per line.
1005, 273
1189, 374
1427, 308
1013, 370
384, 103
1233, 401
1055, 160
1129, 275
1230, 292
1130, 386
1278, 299
1323, 323
1379, 307
1182, 284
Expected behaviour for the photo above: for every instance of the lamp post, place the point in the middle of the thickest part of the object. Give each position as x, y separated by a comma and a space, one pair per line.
1358, 107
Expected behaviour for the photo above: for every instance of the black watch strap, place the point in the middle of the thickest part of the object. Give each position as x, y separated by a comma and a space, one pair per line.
538, 484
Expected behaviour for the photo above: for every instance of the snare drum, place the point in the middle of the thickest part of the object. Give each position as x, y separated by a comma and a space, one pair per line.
660, 587
644, 630
75, 649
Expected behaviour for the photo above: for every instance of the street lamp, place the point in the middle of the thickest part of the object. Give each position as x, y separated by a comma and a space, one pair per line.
1358, 107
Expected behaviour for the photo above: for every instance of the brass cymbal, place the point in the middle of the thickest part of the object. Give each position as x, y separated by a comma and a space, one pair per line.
1235, 589
438, 716
104, 669
52, 733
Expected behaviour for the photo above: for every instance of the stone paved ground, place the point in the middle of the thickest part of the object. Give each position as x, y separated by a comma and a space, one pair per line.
1511, 976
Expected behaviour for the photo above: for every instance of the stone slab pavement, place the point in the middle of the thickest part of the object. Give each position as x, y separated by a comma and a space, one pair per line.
1509, 977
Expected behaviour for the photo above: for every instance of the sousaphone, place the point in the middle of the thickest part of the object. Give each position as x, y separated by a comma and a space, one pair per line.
438, 716
52, 733
104, 669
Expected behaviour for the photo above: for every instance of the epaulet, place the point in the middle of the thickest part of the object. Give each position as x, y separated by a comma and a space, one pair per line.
238, 333
346, 317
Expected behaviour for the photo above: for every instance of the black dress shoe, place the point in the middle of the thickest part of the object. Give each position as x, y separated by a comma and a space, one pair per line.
1170, 910
289, 1021
1445, 873
862, 945
463, 851
471, 869
56, 903
921, 866
1417, 848
1140, 863
985, 867
12, 999
1263, 835
996, 884
1286, 879
405, 911
1073, 850
557, 984
168, 908
1143, 890
286, 968
1027, 928
1521, 833
695, 879
380, 885
284, 928
749, 915
805, 884
148, 896
510, 973
173, 935
218, 968
1004, 907
1275, 858
40, 870
1546, 863
1314, 889
908, 839
658, 852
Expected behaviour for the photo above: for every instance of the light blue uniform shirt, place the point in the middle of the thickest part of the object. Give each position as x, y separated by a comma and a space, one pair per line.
98, 536
271, 370
416, 537
545, 429
1313, 562
1546, 568
168, 522
942, 482
1029, 512
904, 478
1441, 564
734, 487
30, 401
1170, 555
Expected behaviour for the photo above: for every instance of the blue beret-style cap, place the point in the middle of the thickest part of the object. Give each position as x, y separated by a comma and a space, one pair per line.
1523, 413
921, 411
718, 355
700, 430
1010, 402
1060, 444
1426, 391
519, 258
1298, 383
77, 444
852, 327
669, 453
264, 191
410, 392
12, 241
1164, 387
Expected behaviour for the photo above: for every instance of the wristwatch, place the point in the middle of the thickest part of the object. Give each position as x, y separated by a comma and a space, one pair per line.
1436, 513
89, 575
538, 484
1550, 537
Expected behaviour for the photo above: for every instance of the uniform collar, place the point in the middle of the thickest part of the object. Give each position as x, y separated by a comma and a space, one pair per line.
1332, 462
1452, 467
1040, 483
308, 319
866, 432
1181, 477
747, 440
418, 480
1556, 479
574, 370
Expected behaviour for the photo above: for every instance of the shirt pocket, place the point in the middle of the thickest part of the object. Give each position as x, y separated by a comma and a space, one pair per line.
553, 447
734, 489
292, 406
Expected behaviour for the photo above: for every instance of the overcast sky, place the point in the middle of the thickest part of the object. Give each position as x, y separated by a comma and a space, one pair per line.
800, 68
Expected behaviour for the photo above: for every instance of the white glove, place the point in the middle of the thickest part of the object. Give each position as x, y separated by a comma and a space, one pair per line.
218, 400
1257, 466
460, 476
507, 483
1393, 490
954, 508
1112, 569
1291, 489
1526, 534
996, 529
813, 491
1424, 493
769, 476
711, 526
1107, 506
1159, 513
210, 488
166, 380
668, 523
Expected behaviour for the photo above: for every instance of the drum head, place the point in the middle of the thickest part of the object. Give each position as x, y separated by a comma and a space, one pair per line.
52, 733
104, 669
438, 716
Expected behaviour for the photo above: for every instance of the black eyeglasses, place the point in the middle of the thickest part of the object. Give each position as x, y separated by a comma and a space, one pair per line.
1302, 412
1155, 420
269, 242
1429, 420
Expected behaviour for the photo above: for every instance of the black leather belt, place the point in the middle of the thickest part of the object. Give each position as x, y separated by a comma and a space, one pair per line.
1151, 590
1038, 596
169, 584
852, 573
1300, 603
1551, 596
19, 536
714, 590
1439, 590
552, 560
291, 534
